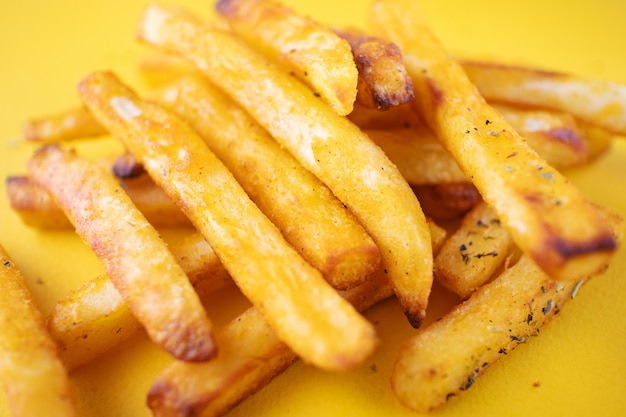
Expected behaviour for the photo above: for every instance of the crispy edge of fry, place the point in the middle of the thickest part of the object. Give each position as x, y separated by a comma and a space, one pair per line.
473, 253
313, 52
383, 80
400, 116
71, 124
31, 373
546, 215
93, 318
330, 146
596, 101
289, 289
106, 219
37, 208
310, 217
444, 202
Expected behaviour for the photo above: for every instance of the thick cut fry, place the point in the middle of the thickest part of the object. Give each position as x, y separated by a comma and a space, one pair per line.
311, 51
383, 80
335, 150
310, 217
474, 252
596, 101
136, 259
546, 215
37, 208
71, 124
94, 318
445, 358
271, 274
31, 373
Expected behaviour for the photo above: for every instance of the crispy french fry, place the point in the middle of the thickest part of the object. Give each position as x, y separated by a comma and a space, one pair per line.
491, 323
37, 208
270, 273
311, 51
474, 252
310, 217
136, 260
94, 317
383, 81
556, 136
75, 123
593, 100
396, 117
547, 216
335, 150
447, 201
31, 374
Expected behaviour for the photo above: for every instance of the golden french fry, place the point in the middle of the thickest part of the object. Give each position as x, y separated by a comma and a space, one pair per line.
32, 376
383, 81
593, 100
94, 317
37, 208
474, 252
136, 259
310, 217
547, 216
270, 273
447, 201
335, 150
75, 123
397, 117
599, 139
311, 51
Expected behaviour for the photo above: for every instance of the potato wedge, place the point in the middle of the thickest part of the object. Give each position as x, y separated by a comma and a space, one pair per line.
596, 101
383, 80
311, 51
31, 374
310, 217
335, 150
270, 273
547, 216
136, 259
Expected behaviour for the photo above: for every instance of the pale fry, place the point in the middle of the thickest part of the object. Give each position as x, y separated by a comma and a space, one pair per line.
547, 216
270, 273
311, 51
473, 253
94, 318
310, 217
31, 374
335, 150
136, 259
75, 123
383, 80
593, 100
37, 208
491, 323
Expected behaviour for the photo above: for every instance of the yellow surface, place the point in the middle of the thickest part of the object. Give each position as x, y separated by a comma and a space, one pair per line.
575, 368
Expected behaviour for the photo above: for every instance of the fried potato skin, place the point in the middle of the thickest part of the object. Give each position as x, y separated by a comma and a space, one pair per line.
312, 51
31, 373
335, 150
105, 218
547, 217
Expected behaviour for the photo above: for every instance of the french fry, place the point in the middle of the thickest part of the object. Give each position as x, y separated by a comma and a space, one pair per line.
136, 260
473, 253
599, 139
311, 51
37, 208
491, 323
447, 201
335, 150
31, 374
547, 216
72, 124
593, 100
270, 273
383, 81
310, 217
94, 317
401, 116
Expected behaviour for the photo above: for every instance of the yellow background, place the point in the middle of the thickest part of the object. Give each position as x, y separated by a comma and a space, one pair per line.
578, 362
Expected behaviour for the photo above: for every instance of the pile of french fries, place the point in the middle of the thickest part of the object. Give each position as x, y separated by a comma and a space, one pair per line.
320, 170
